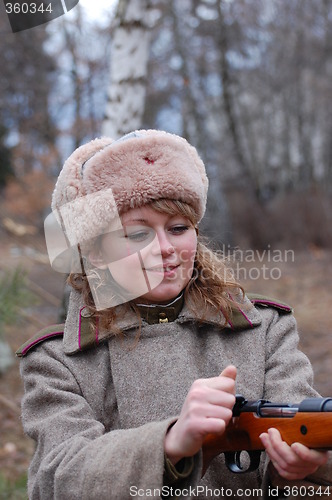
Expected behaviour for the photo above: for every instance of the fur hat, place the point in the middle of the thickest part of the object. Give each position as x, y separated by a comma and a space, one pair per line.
104, 178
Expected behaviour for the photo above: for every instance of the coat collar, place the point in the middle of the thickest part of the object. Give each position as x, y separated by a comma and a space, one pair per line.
80, 334
161, 313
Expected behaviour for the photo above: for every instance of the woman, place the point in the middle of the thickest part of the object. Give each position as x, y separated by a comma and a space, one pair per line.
158, 338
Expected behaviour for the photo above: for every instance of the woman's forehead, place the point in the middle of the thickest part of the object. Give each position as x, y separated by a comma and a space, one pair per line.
146, 214
164, 207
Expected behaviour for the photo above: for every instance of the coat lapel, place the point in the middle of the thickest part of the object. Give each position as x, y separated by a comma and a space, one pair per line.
81, 333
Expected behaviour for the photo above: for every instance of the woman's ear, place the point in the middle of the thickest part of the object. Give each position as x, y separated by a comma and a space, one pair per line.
96, 259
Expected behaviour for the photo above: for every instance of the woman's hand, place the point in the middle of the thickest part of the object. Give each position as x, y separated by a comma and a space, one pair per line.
207, 408
291, 462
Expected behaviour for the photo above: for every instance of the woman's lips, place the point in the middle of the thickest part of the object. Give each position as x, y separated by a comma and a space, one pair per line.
166, 270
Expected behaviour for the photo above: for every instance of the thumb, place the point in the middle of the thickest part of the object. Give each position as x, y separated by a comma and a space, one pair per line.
230, 372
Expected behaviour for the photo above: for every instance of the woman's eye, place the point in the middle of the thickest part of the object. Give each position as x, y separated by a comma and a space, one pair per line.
140, 236
179, 229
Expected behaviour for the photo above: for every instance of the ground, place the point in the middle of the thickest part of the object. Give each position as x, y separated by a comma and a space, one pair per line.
301, 279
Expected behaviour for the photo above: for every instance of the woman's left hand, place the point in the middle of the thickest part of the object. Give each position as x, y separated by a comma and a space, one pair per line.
292, 462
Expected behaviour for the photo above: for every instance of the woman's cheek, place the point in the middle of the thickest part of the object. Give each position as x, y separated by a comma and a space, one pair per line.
126, 271
130, 274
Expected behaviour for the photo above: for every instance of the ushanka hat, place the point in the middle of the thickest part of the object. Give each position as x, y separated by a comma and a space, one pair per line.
104, 178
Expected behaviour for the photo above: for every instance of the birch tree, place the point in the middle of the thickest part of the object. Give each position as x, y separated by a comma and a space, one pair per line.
129, 63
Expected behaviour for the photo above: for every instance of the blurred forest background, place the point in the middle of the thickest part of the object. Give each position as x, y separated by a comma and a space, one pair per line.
248, 82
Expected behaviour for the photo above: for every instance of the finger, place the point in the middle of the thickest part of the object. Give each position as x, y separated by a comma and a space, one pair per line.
201, 387
311, 456
281, 455
230, 371
214, 426
220, 383
205, 409
220, 398
274, 445
282, 452
220, 413
288, 464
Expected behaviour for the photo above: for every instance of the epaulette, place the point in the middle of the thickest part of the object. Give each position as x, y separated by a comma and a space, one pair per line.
242, 317
264, 301
47, 333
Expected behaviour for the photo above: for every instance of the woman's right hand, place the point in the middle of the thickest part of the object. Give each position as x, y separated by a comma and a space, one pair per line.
206, 409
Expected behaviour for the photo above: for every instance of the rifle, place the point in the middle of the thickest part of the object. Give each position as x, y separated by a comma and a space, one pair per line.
309, 423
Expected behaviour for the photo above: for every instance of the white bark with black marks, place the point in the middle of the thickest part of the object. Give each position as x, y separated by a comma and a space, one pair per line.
129, 61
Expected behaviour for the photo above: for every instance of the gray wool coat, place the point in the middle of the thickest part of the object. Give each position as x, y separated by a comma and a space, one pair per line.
99, 410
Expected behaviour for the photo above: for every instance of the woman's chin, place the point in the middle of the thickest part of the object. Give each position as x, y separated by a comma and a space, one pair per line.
162, 294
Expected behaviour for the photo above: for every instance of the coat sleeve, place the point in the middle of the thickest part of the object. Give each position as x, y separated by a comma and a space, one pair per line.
76, 457
289, 378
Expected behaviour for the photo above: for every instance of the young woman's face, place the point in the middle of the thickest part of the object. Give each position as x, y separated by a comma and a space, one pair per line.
152, 257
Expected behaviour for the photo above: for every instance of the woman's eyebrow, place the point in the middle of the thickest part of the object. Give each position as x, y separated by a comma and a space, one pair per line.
134, 220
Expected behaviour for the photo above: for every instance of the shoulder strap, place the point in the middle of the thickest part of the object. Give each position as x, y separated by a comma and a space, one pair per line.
264, 301
47, 333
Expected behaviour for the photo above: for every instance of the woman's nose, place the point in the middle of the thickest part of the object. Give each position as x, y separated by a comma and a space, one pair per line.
163, 244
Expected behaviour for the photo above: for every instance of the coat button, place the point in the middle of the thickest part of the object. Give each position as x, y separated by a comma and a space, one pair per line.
163, 318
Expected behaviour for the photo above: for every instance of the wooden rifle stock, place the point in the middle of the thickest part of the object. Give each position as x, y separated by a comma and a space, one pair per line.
309, 423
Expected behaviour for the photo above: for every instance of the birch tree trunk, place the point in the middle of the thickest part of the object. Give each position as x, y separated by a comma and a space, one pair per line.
229, 104
129, 61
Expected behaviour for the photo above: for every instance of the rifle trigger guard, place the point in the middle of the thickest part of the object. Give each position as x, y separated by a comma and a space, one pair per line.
233, 461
